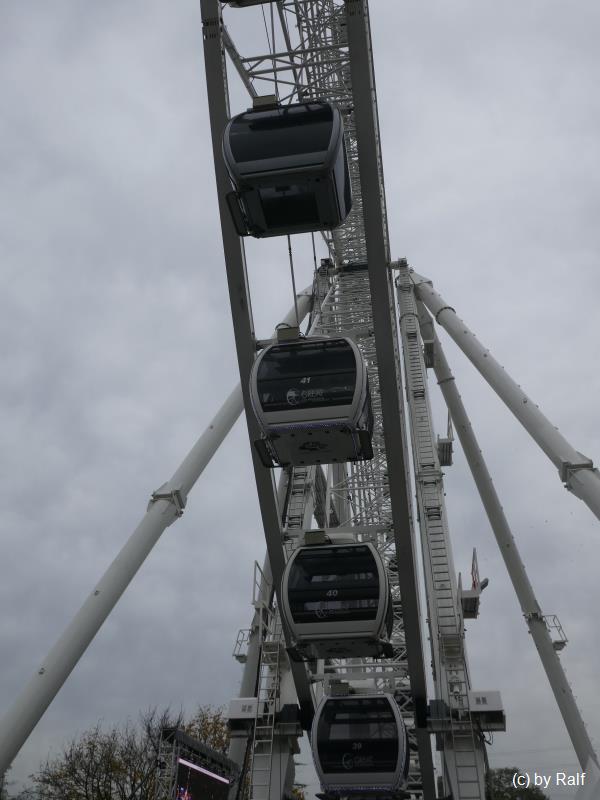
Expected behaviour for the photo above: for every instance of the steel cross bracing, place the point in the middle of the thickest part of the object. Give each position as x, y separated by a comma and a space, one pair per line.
463, 749
316, 65
363, 494
347, 310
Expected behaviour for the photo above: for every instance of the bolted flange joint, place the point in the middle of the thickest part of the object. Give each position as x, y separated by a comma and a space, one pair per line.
172, 494
568, 468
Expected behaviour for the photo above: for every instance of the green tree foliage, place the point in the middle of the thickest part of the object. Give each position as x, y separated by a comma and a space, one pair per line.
499, 786
209, 726
119, 763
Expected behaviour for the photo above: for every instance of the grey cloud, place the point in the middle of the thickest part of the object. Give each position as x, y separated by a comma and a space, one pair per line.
116, 345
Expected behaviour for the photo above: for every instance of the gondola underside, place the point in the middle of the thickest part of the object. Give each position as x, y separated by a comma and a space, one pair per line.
326, 444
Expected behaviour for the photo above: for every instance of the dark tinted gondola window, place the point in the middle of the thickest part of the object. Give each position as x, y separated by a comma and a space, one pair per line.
333, 585
290, 131
289, 205
358, 735
309, 375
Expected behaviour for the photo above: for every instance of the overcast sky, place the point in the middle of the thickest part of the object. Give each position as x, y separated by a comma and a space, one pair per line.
116, 346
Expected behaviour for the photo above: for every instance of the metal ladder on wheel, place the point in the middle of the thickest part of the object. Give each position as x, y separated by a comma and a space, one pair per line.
461, 732
302, 481
266, 711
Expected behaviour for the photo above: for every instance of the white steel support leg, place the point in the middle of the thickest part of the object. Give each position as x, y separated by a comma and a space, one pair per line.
166, 505
576, 471
516, 569
591, 789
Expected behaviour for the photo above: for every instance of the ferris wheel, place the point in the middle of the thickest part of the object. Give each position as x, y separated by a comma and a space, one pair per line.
336, 647
285, 166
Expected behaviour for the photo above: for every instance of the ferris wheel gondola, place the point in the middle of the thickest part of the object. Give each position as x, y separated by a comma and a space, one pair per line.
289, 168
337, 603
311, 399
360, 746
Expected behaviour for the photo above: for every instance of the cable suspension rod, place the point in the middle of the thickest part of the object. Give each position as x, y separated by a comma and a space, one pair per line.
289, 244
286, 37
516, 569
576, 471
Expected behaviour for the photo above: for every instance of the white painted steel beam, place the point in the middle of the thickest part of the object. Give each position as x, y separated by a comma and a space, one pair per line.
237, 62
514, 565
165, 507
241, 311
590, 790
384, 319
576, 470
